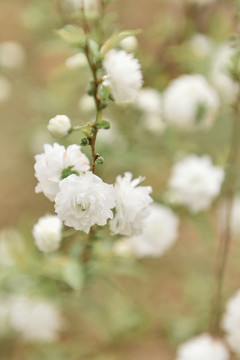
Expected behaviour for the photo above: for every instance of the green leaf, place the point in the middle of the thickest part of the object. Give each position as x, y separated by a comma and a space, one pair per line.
73, 34
104, 124
116, 38
73, 275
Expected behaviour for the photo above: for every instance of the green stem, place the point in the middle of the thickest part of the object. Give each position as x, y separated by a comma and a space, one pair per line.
226, 235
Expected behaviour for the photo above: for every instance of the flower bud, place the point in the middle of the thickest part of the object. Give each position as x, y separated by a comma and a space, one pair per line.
47, 233
59, 126
129, 44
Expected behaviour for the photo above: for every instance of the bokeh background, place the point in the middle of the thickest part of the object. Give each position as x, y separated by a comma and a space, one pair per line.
168, 299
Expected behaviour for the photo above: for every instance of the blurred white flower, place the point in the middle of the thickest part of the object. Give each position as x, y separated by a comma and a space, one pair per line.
196, 182
200, 45
86, 104
12, 54
122, 248
59, 126
89, 5
51, 165
132, 205
5, 89
149, 101
47, 233
124, 75
203, 347
84, 201
11, 247
159, 234
35, 320
220, 76
231, 322
190, 102
75, 61
129, 44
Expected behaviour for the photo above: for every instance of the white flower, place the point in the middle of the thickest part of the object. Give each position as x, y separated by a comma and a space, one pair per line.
89, 5
86, 104
59, 126
84, 201
124, 75
50, 165
159, 234
12, 54
203, 347
190, 102
47, 233
77, 60
36, 320
220, 76
196, 182
149, 101
5, 89
132, 205
231, 322
129, 44
200, 45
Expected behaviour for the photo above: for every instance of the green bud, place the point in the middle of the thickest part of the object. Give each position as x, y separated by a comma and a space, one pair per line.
99, 160
103, 104
68, 171
104, 124
84, 142
91, 88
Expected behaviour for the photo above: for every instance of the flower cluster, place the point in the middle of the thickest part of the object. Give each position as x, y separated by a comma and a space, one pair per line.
190, 102
203, 347
196, 182
231, 322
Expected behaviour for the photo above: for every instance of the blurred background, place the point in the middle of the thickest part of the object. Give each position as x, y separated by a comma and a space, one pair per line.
147, 308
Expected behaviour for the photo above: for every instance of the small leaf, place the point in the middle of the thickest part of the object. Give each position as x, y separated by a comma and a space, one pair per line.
104, 124
115, 39
73, 34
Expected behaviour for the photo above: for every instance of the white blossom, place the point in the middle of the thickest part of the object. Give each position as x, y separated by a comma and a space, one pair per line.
203, 347
50, 165
84, 201
231, 322
196, 182
5, 89
149, 101
59, 126
12, 54
132, 205
220, 75
200, 45
190, 102
47, 233
129, 44
86, 104
88, 5
159, 234
36, 320
75, 61
124, 75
